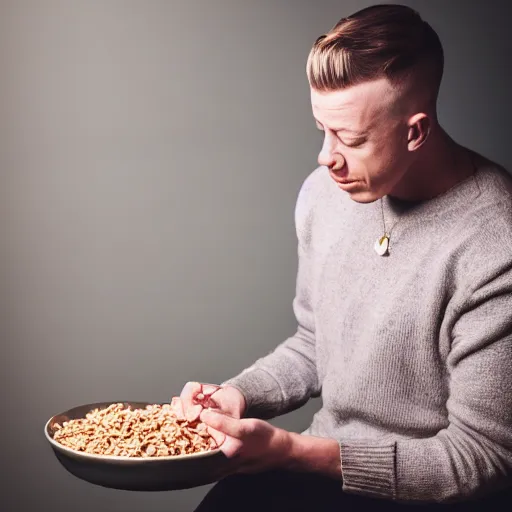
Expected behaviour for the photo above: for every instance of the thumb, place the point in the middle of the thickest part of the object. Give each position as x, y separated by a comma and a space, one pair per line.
223, 423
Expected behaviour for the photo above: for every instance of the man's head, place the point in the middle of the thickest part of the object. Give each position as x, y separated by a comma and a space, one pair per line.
374, 81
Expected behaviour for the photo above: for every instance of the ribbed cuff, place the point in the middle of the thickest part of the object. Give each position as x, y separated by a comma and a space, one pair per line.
369, 469
262, 393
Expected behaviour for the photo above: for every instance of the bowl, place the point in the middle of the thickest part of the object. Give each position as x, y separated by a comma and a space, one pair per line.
134, 474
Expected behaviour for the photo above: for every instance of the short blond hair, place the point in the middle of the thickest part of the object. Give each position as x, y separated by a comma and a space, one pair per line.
381, 41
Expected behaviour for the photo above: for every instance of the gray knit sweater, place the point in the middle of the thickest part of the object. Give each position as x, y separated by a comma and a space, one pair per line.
410, 352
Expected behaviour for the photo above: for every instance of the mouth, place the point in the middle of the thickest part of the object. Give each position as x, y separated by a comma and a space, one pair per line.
342, 182
339, 175
347, 185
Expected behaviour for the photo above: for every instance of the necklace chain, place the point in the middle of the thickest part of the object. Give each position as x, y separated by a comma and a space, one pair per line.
382, 243
386, 233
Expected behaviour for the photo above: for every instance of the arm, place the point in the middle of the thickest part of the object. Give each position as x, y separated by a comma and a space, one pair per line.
314, 455
471, 457
254, 445
473, 454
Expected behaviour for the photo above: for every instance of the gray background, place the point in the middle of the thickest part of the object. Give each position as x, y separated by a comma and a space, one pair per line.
150, 157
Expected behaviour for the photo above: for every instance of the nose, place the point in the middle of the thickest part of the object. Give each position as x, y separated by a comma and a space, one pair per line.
328, 156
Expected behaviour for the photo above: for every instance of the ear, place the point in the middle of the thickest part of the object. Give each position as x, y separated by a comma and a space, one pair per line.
419, 130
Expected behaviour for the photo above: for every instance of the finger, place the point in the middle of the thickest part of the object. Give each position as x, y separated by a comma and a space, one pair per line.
219, 437
204, 397
193, 412
231, 448
177, 407
209, 389
189, 392
209, 403
225, 424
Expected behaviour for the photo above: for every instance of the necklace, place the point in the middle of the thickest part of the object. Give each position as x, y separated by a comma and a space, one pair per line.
382, 243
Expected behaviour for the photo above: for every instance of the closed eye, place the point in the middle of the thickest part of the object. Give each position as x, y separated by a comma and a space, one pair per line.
353, 143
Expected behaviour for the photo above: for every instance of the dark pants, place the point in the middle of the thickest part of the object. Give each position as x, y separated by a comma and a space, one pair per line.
280, 491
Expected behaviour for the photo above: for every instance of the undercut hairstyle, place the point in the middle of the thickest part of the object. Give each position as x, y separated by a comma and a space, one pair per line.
391, 41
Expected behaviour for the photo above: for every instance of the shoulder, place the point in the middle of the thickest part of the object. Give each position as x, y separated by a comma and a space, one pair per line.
494, 181
492, 209
486, 228
486, 202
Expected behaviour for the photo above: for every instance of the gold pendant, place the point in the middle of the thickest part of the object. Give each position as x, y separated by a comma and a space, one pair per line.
381, 245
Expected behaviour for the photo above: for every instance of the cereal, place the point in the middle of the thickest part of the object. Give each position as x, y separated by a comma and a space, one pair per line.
156, 431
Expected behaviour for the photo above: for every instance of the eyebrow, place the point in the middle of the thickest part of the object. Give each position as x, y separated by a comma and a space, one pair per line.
346, 130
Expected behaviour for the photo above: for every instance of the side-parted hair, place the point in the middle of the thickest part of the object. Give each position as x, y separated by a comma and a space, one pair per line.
391, 41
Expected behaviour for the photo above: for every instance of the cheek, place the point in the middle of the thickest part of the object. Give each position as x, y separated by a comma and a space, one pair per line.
384, 160
371, 163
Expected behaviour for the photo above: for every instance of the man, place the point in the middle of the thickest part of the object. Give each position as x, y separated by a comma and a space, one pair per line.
403, 302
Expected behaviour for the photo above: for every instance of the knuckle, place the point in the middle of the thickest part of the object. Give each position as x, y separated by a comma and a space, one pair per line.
248, 427
210, 388
191, 388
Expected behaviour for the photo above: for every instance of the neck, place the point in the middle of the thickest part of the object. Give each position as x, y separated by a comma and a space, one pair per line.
440, 165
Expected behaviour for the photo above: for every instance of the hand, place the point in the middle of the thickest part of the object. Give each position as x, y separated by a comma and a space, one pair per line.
250, 444
196, 396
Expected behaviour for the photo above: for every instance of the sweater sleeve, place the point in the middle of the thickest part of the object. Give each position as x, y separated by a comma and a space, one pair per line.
473, 454
286, 378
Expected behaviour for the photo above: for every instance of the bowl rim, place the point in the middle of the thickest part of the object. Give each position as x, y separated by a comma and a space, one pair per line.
119, 458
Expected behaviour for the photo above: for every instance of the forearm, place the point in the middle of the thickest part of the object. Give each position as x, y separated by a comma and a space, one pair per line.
282, 381
427, 470
450, 467
313, 454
